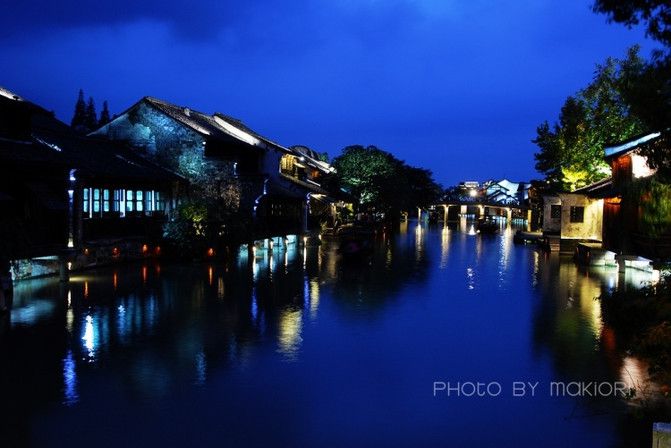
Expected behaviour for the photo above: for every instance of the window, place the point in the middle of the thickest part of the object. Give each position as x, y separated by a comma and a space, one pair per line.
106, 201
555, 211
129, 201
577, 214
85, 201
139, 206
158, 202
96, 201
116, 204
148, 206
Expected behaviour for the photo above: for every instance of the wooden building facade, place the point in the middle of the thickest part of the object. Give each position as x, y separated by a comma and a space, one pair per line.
61, 192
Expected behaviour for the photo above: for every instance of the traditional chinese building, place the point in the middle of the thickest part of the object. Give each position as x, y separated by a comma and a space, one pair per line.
506, 192
622, 211
66, 195
609, 211
278, 188
571, 218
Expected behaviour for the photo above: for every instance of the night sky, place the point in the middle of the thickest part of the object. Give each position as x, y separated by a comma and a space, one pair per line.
455, 86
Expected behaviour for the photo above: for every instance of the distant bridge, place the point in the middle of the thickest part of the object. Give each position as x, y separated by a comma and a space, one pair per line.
480, 209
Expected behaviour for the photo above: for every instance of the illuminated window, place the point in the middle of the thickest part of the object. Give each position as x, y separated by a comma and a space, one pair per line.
96, 200
555, 211
116, 204
129, 201
106, 200
138, 201
85, 202
577, 214
158, 201
148, 206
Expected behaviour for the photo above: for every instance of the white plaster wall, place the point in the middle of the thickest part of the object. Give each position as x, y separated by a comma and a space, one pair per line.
549, 224
592, 225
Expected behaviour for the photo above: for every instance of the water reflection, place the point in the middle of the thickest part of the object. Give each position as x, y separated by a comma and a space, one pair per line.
428, 302
289, 337
89, 337
70, 380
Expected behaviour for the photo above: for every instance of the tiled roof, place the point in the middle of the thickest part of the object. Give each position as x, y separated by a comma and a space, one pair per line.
628, 145
52, 142
225, 127
598, 189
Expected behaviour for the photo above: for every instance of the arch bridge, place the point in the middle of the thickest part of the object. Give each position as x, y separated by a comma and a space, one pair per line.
478, 209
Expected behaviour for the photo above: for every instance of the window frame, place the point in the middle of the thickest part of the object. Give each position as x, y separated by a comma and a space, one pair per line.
577, 214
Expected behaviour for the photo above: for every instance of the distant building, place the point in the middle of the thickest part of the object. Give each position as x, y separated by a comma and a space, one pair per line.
506, 192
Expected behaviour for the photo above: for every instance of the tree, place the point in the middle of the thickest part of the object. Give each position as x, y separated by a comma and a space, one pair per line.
571, 150
362, 171
104, 115
648, 92
79, 117
383, 183
655, 14
91, 122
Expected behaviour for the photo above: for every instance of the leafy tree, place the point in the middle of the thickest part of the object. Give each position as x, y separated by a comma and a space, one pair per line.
648, 92
422, 189
655, 14
79, 117
363, 172
104, 115
383, 183
571, 150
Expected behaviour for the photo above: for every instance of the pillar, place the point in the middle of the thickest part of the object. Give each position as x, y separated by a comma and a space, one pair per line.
63, 271
306, 212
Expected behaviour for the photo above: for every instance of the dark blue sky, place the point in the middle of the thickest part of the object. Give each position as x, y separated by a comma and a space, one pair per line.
455, 86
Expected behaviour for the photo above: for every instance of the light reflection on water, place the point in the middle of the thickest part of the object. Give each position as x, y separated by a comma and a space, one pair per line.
432, 302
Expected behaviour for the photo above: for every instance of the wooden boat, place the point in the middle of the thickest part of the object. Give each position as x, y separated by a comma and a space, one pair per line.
354, 240
487, 226
523, 237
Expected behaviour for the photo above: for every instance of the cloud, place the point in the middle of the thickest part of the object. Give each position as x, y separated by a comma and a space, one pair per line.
418, 77
194, 19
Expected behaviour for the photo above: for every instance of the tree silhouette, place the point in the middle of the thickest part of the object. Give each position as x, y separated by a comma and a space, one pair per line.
654, 14
79, 117
104, 115
91, 122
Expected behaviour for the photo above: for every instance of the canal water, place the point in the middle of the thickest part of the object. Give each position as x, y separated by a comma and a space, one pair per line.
300, 348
